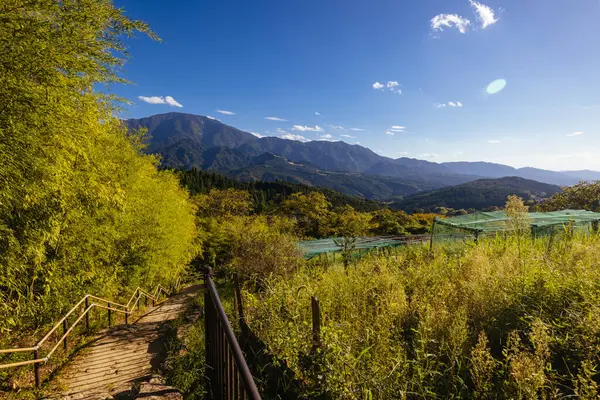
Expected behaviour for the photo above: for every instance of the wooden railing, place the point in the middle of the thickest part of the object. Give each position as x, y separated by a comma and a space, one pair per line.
89, 302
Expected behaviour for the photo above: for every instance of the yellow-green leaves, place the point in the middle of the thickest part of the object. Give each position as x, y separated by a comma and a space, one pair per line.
81, 210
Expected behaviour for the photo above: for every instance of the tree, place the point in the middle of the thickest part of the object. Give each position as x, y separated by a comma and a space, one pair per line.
311, 212
518, 221
348, 226
81, 209
583, 196
517, 213
223, 203
388, 222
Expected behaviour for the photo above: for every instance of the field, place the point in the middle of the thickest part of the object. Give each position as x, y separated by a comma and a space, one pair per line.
499, 319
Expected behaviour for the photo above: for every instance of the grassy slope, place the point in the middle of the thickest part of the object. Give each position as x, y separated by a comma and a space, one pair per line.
487, 320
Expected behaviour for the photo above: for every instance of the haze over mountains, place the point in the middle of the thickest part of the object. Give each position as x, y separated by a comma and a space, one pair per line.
188, 141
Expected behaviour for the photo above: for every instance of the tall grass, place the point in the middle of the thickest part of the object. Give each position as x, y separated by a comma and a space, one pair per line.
480, 320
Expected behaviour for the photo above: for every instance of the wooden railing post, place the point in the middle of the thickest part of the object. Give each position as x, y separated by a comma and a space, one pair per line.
36, 369
109, 322
65, 343
87, 315
239, 305
126, 317
316, 322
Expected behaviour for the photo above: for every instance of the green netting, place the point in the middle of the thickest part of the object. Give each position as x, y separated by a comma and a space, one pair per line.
312, 248
485, 223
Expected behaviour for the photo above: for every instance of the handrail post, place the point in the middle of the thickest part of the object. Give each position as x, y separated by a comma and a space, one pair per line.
87, 315
109, 314
126, 317
65, 343
36, 369
316, 322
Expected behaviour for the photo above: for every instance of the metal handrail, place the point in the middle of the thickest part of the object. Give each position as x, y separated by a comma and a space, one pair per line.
109, 305
225, 361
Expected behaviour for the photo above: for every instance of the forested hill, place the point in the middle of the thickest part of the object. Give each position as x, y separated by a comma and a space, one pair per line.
268, 195
481, 194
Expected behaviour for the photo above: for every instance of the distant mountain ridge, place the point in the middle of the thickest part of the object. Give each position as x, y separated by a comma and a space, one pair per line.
188, 141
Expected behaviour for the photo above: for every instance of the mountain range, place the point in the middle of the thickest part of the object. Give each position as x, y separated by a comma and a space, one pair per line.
187, 141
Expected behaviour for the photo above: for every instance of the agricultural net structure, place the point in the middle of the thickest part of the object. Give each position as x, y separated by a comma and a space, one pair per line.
473, 226
312, 248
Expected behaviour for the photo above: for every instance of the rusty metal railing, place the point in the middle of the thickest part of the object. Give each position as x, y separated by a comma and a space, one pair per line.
89, 302
227, 370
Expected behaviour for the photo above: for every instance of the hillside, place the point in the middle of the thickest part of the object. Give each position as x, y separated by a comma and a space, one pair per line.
480, 194
268, 195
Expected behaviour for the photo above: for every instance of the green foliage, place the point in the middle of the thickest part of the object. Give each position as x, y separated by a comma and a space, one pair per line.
474, 321
223, 203
311, 212
81, 210
253, 246
348, 226
185, 366
583, 196
267, 196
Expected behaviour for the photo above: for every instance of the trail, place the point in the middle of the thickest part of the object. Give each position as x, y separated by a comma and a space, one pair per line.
121, 356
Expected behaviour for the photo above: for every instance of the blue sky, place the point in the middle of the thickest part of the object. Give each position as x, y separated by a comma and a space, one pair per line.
404, 78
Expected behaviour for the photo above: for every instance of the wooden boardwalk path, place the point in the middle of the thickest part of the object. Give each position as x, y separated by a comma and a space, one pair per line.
121, 356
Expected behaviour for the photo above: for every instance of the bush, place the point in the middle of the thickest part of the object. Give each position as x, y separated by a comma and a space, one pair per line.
256, 247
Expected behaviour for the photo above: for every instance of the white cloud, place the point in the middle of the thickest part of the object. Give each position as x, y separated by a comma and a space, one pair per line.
225, 112
152, 99
575, 134
493, 141
449, 104
326, 137
213, 118
291, 136
258, 135
485, 14
172, 102
276, 119
393, 87
428, 155
160, 100
348, 136
395, 129
357, 129
441, 21
304, 128
337, 127
316, 113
